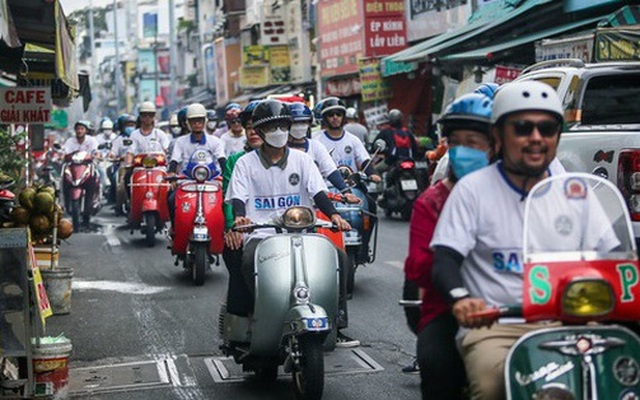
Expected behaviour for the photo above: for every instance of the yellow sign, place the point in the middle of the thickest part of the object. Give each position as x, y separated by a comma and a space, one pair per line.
254, 77
255, 55
41, 293
280, 64
373, 87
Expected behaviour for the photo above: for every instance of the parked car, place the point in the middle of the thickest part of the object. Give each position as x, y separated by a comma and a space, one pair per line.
602, 121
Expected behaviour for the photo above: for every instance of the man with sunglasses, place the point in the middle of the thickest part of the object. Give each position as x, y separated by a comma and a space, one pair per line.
478, 239
143, 137
234, 139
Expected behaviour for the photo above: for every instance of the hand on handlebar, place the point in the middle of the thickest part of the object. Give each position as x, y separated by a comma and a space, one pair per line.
241, 221
352, 198
473, 313
340, 222
375, 178
233, 239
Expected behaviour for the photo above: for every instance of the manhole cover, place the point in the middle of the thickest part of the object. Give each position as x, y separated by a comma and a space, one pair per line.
116, 377
337, 362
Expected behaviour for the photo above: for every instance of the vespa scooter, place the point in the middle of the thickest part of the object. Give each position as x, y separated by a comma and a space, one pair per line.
580, 268
148, 210
296, 305
198, 232
81, 187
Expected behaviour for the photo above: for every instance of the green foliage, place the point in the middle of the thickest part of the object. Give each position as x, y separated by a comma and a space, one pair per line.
12, 163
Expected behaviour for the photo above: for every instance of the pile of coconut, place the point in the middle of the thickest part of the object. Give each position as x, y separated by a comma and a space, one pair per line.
40, 212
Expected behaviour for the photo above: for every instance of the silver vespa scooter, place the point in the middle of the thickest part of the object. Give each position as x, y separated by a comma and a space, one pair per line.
296, 305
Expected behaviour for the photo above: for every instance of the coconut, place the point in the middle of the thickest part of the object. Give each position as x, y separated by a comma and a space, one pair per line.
65, 228
48, 189
57, 211
40, 224
26, 198
20, 216
43, 203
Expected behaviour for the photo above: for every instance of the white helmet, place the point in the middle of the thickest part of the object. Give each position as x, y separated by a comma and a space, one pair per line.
147, 107
351, 113
196, 110
525, 96
106, 125
173, 121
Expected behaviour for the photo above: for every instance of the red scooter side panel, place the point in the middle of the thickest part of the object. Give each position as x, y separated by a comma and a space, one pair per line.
186, 203
215, 220
148, 180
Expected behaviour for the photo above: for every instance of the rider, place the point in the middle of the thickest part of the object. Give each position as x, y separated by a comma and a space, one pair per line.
186, 145
478, 239
147, 133
234, 139
272, 173
355, 127
212, 121
105, 138
400, 142
175, 130
106, 132
122, 152
466, 124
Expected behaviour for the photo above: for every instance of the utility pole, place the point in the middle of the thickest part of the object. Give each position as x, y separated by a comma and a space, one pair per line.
117, 45
173, 55
92, 39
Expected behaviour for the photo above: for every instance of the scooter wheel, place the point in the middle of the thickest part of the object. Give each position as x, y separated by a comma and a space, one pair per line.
308, 379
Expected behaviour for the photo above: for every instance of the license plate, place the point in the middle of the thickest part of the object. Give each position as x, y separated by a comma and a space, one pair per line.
421, 164
409, 184
316, 324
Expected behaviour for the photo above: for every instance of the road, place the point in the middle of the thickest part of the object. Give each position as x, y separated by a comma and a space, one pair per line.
140, 329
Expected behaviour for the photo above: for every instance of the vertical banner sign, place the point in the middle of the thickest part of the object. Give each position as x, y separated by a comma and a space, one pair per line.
385, 25
373, 87
25, 105
149, 24
340, 28
279, 64
222, 96
209, 66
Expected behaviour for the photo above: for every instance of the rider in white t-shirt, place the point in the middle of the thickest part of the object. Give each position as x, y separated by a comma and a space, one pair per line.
147, 133
234, 139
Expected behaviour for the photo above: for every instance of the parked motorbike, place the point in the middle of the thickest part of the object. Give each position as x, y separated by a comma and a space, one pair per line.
296, 305
7, 200
48, 167
404, 182
198, 231
580, 268
81, 187
148, 210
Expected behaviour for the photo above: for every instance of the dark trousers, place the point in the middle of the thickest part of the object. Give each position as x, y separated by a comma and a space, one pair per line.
442, 370
239, 297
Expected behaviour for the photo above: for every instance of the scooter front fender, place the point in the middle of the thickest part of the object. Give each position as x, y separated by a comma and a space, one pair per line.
149, 205
307, 318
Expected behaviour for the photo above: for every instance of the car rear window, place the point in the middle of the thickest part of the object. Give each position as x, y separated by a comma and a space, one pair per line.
612, 100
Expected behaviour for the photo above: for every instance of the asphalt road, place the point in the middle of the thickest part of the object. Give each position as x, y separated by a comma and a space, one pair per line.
141, 330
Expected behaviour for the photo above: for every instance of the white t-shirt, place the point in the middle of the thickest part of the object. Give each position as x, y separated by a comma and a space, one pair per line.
266, 192
347, 150
144, 143
118, 148
185, 146
233, 144
483, 220
320, 156
89, 144
101, 138
358, 130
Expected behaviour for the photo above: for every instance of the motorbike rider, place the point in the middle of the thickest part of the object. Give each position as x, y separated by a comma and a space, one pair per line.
223, 127
401, 143
121, 152
105, 137
212, 122
186, 145
477, 243
147, 133
265, 180
355, 127
466, 124
175, 130
234, 139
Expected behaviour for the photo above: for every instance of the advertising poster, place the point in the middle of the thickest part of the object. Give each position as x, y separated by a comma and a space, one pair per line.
340, 24
254, 76
255, 55
372, 86
147, 91
385, 27
279, 64
150, 24
146, 63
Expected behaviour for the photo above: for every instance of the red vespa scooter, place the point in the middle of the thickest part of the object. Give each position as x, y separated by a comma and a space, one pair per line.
199, 220
81, 187
148, 211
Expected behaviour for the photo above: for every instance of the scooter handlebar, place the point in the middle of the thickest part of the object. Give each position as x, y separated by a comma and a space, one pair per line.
499, 312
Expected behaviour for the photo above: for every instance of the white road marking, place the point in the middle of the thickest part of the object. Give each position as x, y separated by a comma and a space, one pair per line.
112, 239
121, 287
397, 264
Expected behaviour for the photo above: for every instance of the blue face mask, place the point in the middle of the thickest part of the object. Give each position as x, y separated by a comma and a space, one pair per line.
129, 130
465, 160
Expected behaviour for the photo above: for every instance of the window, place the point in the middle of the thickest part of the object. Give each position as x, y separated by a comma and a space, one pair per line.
612, 100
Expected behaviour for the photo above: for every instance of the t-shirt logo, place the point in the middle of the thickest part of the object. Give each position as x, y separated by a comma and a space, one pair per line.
506, 261
348, 149
294, 179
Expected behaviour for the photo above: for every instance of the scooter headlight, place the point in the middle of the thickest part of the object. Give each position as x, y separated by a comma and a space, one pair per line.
149, 161
201, 173
299, 218
588, 298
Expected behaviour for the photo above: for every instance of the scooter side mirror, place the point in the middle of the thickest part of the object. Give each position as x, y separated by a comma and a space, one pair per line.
380, 145
57, 146
127, 142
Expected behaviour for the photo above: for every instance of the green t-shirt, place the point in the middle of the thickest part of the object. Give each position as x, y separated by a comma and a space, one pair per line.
226, 176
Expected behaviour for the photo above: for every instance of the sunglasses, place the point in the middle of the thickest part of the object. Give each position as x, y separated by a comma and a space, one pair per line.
235, 121
525, 127
334, 114
271, 127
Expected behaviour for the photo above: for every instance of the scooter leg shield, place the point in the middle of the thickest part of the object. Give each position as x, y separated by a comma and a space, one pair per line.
304, 318
236, 328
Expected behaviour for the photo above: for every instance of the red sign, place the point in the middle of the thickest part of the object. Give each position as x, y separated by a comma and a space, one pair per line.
385, 30
340, 29
506, 74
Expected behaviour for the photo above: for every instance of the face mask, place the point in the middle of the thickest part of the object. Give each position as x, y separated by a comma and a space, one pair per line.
299, 131
465, 160
211, 125
128, 130
277, 138
176, 130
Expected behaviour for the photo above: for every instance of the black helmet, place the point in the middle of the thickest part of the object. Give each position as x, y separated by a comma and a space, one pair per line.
247, 112
395, 117
332, 104
268, 111
211, 115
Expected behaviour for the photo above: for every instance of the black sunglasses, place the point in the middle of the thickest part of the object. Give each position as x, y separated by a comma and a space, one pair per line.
334, 114
525, 127
235, 121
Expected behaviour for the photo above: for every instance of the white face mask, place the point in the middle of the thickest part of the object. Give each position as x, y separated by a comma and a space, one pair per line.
175, 130
277, 138
211, 125
299, 131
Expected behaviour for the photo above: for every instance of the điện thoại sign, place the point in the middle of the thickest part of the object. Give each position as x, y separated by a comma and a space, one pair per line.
25, 105
618, 44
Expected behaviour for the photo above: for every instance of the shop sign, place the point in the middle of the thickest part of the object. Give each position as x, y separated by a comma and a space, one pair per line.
222, 95
580, 47
340, 24
376, 116
385, 27
373, 87
280, 64
617, 44
254, 76
390, 67
255, 55
343, 87
272, 25
506, 74
25, 105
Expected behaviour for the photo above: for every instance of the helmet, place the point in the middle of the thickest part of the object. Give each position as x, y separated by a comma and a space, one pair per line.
470, 111
182, 116
84, 123
120, 122
332, 104
212, 115
232, 106
130, 119
245, 115
270, 110
147, 107
351, 113
300, 112
526, 96
106, 125
317, 111
173, 121
232, 113
488, 89
395, 116
196, 110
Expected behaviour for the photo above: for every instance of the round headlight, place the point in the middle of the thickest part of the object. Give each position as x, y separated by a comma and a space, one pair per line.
201, 173
299, 217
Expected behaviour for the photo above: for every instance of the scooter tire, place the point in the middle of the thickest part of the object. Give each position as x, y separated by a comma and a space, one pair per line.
150, 228
308, 378
200, 263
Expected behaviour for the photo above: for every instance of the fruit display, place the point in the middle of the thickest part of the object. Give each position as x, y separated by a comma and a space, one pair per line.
38, 209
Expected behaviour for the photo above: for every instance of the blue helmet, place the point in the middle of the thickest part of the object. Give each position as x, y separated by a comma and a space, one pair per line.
212, 115
317, 109
470, 111
182, 117
488, 89
232, 106
245, 114
120, 122
300, 112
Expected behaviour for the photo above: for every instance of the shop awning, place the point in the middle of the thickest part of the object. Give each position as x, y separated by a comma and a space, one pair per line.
487, 52
627, 15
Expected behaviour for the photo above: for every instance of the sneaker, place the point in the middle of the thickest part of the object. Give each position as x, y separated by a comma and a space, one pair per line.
413, 368
345, 341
